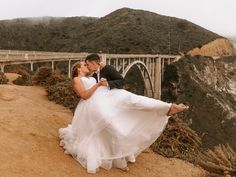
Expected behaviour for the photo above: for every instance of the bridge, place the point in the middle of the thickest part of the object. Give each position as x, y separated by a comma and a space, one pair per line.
151, 67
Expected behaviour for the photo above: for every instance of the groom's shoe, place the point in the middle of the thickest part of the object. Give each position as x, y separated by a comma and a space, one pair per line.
124, 169
66, 152
130, 158
62, 143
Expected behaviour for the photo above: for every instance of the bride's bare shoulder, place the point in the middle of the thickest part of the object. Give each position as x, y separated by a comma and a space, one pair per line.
77, 79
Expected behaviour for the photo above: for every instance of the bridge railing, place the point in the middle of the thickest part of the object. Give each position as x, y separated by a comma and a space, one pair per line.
15, 55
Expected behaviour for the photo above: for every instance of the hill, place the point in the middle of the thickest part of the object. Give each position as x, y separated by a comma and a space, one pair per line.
233, 40
30, 144
122, 31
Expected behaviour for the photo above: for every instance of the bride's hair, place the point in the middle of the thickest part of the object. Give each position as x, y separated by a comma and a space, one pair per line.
75, 67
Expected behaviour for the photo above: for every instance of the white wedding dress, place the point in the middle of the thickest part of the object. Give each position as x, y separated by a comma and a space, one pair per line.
112, 127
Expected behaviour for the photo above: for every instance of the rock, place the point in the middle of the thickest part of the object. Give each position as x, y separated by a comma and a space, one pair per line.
208, 86
218, 47
3, 78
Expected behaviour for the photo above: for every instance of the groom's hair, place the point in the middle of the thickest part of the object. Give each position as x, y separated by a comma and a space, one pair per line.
93, 57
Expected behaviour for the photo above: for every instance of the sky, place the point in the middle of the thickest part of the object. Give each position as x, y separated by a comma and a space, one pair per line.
215, 15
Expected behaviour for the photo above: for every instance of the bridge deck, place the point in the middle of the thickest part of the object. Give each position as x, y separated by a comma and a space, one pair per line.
16, 55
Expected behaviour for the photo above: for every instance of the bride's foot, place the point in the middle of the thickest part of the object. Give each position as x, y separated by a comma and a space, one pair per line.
177, 108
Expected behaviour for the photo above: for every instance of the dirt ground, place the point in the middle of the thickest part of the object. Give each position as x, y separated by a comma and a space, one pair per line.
29, 143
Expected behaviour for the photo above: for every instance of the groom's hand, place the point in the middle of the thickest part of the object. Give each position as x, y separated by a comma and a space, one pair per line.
104, 82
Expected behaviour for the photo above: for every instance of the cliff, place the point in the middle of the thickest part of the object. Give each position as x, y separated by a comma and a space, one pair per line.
209, 86
218, 47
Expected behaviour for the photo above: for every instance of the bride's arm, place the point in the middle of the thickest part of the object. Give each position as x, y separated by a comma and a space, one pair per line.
81, 91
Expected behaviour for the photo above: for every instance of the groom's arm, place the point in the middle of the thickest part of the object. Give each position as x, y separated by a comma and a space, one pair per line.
116, 79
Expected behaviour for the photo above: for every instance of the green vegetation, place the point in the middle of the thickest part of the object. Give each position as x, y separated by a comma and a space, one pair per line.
122, 31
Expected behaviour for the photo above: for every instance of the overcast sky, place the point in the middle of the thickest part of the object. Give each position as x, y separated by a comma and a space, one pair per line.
215, 15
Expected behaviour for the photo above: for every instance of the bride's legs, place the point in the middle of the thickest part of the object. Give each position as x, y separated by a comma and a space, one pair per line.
177, 108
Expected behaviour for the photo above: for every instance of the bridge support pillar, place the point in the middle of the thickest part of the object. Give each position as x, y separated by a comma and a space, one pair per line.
169, 61
162, 69
32, 66
104, 58
148, 93
52, 65
157, 81
69, 69
2, 68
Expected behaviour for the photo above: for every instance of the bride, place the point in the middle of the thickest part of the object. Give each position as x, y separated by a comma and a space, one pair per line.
111, 127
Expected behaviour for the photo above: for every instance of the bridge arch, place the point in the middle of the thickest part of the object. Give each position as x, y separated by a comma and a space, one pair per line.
146, 76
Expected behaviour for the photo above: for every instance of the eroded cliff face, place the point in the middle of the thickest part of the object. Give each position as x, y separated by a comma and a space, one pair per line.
234, 43
209, 86
218, 47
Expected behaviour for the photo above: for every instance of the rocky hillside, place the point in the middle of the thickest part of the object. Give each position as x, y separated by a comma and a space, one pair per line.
218, 47
233, 40
209, 87
122, 31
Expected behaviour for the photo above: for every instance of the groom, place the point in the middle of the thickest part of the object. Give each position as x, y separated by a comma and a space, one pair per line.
106, 73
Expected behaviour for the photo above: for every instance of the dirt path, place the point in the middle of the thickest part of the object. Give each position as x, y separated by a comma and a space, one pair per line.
29, 141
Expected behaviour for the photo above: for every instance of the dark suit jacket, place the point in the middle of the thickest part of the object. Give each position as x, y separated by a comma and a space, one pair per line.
114, 78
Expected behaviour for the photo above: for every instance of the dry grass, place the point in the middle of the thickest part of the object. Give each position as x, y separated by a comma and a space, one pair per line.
220, 161
63, 94
25, 78
58, 87
47, 77
178, 140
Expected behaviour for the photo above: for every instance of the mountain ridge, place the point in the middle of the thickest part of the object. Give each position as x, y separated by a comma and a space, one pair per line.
122, 31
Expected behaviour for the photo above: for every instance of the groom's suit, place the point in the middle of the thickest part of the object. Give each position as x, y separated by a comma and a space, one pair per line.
114, 78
